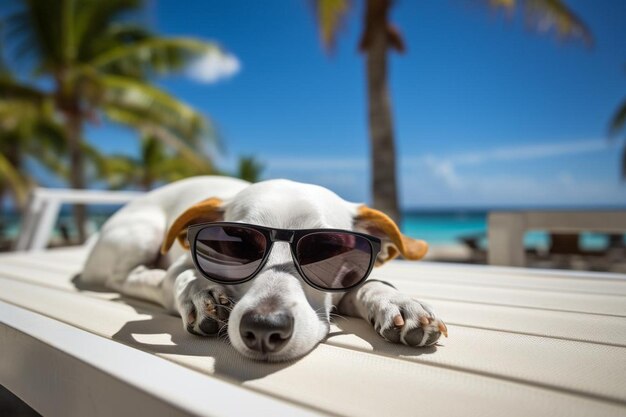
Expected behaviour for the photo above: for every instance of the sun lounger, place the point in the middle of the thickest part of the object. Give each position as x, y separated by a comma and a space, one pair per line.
522, 343
506, 231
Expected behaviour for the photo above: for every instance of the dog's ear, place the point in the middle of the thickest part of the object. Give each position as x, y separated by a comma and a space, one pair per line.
209, 210
394, 243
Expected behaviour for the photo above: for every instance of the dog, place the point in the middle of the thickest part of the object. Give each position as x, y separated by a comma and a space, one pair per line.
142, 251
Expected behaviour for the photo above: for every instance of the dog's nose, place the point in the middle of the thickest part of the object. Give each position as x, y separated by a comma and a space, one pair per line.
266, 333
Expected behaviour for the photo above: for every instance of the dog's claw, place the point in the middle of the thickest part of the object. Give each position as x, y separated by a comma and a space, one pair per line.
210, 309
443, 329
398, 321
191, 317
408, 321
206, 311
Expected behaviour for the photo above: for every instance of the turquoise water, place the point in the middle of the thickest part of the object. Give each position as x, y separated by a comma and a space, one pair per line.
97, 216
437, 228
445, 228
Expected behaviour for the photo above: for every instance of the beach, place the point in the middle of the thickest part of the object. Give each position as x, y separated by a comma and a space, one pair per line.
447, 231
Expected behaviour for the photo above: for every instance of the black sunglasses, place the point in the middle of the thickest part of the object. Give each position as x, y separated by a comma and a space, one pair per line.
327, 259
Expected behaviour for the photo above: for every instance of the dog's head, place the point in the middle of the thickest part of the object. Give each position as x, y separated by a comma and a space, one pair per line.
278, 316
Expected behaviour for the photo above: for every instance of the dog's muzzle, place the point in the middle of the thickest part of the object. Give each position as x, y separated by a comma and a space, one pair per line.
266, 333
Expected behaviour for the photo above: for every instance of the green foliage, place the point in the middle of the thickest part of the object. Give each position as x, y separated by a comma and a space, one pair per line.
331, 15
249, 169
99, 64
548, 15
156, 164
618, 121
27, 130
11, 178
541, 15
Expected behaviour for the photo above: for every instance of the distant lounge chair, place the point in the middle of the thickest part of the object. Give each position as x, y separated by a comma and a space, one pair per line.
506, 232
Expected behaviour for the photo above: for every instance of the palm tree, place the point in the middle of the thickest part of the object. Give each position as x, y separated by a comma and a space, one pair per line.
26, 133
378, 36
155, 163
27, 130
617, 124
249, 169
99, 65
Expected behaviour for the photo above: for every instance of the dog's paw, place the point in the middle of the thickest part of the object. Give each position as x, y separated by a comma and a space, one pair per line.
402, 319
206, 311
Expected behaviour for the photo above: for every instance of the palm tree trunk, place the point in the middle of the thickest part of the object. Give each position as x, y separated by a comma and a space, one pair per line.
73, 129
382, 145
69, 106
13, 155
4, 218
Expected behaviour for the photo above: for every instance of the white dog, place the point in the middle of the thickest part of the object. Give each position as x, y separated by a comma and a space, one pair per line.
142, 251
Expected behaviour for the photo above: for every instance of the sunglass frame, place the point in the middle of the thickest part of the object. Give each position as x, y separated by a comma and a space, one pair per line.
291, 236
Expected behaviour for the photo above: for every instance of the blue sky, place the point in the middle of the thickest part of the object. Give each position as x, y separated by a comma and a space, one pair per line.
487, 112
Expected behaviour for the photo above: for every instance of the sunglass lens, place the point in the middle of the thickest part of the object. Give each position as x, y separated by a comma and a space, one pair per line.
334, 260
229, 253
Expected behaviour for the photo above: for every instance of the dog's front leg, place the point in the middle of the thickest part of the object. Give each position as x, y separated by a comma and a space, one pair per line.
204, 306
394, 315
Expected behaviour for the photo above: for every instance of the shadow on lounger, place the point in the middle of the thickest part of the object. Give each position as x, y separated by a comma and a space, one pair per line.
162, 334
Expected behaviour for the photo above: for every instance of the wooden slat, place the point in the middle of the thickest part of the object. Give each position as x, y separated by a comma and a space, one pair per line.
532, 359
74, 256
561, 325
612, 305
501, 278
45, 277
58, 265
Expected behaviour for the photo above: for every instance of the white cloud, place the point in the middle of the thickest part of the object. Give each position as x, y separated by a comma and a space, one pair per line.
443, 169
214, 67
453, 180
546, 150
445, 166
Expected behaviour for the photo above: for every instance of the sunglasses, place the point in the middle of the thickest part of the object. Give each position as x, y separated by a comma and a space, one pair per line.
327, 259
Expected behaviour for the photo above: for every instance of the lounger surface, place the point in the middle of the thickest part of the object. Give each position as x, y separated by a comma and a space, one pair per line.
522, 343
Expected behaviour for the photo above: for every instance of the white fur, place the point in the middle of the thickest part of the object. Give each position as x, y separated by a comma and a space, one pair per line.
126, 259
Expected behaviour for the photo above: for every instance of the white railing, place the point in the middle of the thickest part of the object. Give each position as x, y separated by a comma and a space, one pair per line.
506, 229
43, 209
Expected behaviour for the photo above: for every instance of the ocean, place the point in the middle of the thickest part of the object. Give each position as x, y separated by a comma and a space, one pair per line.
449, 227
437, 227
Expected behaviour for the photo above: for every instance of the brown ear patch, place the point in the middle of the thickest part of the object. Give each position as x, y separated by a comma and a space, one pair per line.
209, 210
409, 248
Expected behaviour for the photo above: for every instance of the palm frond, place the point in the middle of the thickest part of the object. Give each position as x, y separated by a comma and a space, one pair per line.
121, 171
624, 163
113, 36
144, 125
48, 145
618, 121
155, 54
331, 16
40, 30
12, 89
549, 15
11, 176
154, 104
94, 22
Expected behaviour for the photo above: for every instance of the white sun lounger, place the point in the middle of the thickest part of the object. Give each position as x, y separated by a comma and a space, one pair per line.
522, 343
